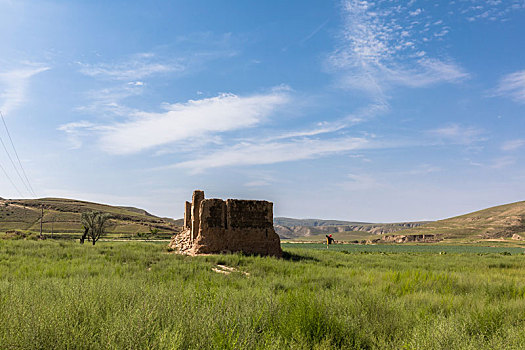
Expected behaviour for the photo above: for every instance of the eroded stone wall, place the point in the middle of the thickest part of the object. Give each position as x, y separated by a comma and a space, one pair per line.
187, 215
249, 214
233, 225
198, 197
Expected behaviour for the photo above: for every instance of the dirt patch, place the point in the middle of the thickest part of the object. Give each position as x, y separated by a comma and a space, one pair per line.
226, 270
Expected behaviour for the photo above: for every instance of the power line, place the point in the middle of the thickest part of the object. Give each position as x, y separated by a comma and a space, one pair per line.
13, 163
11, 181
30, 189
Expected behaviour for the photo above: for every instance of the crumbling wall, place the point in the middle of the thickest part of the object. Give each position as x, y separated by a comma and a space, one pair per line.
233, 225
249, 214
212, 231
187, 215
198, 197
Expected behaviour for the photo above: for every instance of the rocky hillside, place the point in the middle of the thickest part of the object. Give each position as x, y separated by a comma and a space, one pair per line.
289, 228
63, 216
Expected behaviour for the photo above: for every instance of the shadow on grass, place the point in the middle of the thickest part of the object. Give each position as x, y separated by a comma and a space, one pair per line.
297, 257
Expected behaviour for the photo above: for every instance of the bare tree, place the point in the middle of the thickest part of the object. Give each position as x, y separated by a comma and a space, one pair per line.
95, 224
84, 236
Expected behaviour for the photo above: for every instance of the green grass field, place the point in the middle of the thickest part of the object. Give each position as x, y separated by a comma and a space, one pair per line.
408, 248
116, 295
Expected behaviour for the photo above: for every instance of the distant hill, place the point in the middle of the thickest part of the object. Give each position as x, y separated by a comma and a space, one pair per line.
502, 221
283, 221
136, 210
63, 216
288, 228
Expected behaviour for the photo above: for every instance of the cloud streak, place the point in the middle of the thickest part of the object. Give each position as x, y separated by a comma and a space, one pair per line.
14, 85
195, 119
253, 153
360, 182
75, 131
457, 134
513, 145
513, 86
109, 99
139, 66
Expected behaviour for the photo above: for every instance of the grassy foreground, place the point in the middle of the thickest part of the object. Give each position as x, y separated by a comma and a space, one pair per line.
135, 295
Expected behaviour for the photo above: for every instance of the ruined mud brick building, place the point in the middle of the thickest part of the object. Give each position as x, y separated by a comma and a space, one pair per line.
234, 225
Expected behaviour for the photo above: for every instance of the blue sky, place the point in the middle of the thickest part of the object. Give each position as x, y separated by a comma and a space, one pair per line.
361, 110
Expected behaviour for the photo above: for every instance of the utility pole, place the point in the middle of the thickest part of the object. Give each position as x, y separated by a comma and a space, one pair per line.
41, 219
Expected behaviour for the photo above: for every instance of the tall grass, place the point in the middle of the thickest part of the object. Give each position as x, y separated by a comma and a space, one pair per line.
136, 296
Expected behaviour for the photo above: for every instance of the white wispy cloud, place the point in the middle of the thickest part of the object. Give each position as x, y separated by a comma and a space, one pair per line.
513, 145
383, 44
195, 119
76, 131
14, 84
323, 128
361, 115
122, 79
458, 134
138, 66
110, 99
257, 183
360, 182
260, 178
423, 169
513, 86
416, 12
490, 10
253, 153
502, 162
129, 76
427, 72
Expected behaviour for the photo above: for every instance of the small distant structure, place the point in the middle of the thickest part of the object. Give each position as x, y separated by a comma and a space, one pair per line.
213, 226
